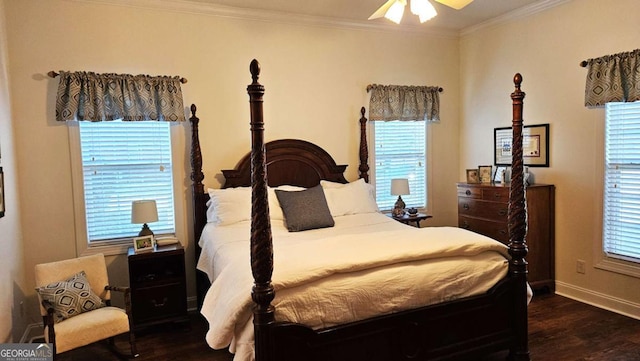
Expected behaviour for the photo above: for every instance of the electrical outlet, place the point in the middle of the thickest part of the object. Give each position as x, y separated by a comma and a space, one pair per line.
580, 267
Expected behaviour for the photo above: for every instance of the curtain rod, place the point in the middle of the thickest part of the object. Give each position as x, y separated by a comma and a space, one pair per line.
584, 63
53, 74
440, 90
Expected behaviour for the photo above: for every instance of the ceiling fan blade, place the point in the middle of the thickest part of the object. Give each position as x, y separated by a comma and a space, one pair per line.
456, 4
383, 9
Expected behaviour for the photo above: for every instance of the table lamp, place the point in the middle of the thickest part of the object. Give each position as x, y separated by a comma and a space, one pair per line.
144, 211
399, 187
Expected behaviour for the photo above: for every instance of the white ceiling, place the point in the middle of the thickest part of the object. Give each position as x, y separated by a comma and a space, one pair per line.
356, 11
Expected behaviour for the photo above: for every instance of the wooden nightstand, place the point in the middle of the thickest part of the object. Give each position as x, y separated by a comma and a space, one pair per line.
407, 219
158, 286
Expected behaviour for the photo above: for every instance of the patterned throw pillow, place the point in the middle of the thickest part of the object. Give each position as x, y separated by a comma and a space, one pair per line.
70, 297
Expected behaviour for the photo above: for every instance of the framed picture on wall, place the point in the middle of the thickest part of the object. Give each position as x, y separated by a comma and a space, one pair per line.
535, 145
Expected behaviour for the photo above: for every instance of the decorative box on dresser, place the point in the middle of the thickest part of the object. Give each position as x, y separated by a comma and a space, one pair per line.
483, 208
158, 286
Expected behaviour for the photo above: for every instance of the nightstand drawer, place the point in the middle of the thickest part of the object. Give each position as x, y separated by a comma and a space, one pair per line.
496, 230
159, 302
488, 210
148, 271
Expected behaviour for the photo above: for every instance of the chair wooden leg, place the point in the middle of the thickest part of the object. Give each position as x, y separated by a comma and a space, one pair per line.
132, 343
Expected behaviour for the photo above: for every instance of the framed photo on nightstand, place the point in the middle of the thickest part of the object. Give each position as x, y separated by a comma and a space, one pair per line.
142, 244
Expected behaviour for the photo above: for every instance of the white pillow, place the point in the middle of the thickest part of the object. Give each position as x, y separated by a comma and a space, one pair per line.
275, 211
350, 198
229, 205
232, 205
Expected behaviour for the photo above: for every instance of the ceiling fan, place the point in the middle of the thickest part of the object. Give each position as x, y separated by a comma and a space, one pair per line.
394, 9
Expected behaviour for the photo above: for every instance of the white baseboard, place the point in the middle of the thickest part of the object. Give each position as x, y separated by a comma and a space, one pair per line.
32, 331
597, 299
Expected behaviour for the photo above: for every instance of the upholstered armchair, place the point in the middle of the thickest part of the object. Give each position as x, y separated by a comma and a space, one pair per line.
75, 304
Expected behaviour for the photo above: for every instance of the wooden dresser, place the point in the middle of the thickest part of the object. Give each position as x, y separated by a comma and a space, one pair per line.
483, 208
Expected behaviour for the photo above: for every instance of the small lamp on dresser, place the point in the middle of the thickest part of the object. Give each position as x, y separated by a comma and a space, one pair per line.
399, 187
143, 212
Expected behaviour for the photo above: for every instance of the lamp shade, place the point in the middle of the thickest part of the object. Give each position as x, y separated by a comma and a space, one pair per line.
399, 186
144, 211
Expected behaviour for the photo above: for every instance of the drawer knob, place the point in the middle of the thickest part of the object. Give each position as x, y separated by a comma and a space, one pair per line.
502, 212
468, 192
159, 304
502, 232
465, 225
497, 195
465, 206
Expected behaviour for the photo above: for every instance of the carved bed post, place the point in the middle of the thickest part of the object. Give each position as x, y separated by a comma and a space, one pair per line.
517, 220
261, 242
196, 171
364, 148
199, 199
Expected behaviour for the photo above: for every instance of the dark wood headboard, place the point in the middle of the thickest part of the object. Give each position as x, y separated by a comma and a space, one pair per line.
289, 161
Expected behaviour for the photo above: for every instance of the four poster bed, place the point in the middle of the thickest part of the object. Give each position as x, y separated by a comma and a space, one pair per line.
340, 290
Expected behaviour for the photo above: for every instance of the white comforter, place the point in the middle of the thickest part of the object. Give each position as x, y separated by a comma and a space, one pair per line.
332, 276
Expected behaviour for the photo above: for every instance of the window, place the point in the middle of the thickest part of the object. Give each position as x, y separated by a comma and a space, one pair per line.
621, 224
123, 162
400, 152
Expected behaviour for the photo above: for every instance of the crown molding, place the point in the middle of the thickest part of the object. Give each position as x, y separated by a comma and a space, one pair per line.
514, 15
200, 8
229, 12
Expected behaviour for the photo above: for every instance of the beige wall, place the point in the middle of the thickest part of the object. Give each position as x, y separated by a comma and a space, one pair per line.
12, 282
315, 80
547, 48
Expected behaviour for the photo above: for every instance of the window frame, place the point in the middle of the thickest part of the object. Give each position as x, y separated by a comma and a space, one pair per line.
602, 260
428, 163
120, 245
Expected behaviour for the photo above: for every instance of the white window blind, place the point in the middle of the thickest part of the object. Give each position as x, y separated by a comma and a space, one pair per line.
400, 152
123, 162
622, 181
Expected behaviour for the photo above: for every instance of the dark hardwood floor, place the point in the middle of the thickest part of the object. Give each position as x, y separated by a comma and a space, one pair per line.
559, 329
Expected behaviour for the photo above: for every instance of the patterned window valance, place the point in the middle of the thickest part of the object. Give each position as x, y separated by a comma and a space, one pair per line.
100, 97
613, 78
395, 102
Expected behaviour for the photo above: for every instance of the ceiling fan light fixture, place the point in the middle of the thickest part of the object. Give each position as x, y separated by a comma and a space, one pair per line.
424, 9
396, 11
382, 10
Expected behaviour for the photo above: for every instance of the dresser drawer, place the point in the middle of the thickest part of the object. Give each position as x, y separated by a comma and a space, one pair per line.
496, 194
489, 210
492, 229
469, 192
158, 302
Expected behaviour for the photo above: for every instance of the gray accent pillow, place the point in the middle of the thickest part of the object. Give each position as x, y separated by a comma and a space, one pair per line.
305, 209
